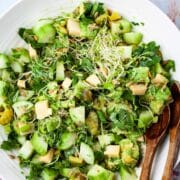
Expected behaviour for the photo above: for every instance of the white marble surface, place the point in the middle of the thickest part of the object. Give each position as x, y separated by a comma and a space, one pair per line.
170, 7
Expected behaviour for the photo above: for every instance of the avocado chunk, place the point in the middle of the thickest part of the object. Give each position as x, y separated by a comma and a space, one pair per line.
129, 152
75, 160
92, 123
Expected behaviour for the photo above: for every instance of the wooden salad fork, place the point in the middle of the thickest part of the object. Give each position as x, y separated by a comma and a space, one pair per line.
174, 133
154, 135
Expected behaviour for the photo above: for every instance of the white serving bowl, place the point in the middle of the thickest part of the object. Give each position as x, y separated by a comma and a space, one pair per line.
157, 27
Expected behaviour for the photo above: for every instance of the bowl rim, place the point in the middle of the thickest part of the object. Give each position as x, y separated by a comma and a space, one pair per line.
146, 1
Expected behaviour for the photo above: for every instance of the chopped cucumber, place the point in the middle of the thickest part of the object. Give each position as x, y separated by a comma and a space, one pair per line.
86, 153
21, 139
5, 75
49, 174
39, 144
21, 55
99, 173
127, 174
145, 119
133, 37
44, 31
60, 71
4, 61
106, 139
17, 67
67, 140
26, 150
78, 115
121, 26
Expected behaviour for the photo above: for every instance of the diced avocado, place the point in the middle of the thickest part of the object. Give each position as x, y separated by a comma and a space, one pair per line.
26, 150
75, 160
49, 174
106, 139
92, 123
44, 31
23, 128
127, 174
39, 144
78, 115
133, 37
99, 173
157, 97
101, 19
139, 75
126, 144
86, 153
69, 172
60, 71
157, 106
145, 119
47, 158
129, 152
4, 61
67, 140
114, 16
127, 158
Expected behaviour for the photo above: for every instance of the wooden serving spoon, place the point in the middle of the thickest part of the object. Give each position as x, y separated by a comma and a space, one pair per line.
154, 135
174, 133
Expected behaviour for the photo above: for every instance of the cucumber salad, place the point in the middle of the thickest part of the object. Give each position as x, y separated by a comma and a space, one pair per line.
76, 102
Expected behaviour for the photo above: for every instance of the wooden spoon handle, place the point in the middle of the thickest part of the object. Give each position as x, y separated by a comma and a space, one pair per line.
172, 154
147, 164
